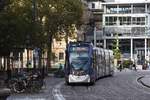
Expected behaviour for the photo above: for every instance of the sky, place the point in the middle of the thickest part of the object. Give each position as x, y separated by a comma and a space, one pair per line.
131, 0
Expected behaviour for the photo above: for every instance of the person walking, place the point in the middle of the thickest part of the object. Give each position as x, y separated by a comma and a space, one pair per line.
134, 66
60, 66
120, 67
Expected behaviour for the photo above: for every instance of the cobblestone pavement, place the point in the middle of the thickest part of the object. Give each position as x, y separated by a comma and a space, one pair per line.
44, 94
122, 86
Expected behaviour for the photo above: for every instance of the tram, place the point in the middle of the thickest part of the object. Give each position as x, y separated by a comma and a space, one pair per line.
85, 63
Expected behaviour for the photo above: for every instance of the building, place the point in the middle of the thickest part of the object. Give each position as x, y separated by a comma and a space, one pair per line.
95, 21
128, 21
58, 49
95, 7
131, 21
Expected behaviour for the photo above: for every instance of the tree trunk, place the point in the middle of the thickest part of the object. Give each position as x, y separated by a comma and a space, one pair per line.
41, 63
4, 63
67, 33
0, 63
49, 51
40, 58
8, 62
21, 59
49, 54
34, 62
27, 65
8, 68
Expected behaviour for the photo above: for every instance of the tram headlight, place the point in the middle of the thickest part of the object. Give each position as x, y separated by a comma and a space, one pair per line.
73, 72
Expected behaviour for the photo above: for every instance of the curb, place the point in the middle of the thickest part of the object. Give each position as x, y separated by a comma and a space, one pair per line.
140, 81
50, 75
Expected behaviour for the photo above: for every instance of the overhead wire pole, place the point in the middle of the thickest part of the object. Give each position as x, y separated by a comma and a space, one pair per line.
34, 20
95, 36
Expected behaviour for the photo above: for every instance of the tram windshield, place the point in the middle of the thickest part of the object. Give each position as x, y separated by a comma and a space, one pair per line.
79, 58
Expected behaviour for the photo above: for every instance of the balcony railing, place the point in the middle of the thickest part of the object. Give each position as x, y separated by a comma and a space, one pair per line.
125, 31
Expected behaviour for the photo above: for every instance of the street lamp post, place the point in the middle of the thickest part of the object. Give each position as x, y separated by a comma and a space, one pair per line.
95, 36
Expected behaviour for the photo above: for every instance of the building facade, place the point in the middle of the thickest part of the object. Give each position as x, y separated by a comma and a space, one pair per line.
95, 23
131, 23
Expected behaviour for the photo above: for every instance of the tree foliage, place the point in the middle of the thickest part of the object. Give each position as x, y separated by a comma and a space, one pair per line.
11, 29
59, 15
34, 23
116, 50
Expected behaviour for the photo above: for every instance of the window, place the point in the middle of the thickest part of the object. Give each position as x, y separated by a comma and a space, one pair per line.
106, 21
113, 20
148, 9
121, 20
125, 20
110, 20
125, 10
93, 5
128, 20
111, 9
138, 20
61, 56
139, 9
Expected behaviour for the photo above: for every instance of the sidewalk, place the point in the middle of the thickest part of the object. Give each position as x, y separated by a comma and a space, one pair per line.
145, 80
4, 91
44, 94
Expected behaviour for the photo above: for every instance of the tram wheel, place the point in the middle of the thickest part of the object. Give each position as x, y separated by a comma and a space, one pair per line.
93, 82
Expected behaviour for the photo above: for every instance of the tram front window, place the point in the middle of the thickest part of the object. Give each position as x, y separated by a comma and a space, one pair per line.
79, 60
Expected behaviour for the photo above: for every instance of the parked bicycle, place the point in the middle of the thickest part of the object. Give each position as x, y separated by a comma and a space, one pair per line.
26, 82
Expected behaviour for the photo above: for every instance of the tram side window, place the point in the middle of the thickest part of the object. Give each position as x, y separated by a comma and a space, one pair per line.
107, 59
94, 57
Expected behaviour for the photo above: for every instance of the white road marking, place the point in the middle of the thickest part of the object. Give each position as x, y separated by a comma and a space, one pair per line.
26, 98
56, 92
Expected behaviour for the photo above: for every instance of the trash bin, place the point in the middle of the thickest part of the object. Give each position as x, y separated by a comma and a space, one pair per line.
144, 66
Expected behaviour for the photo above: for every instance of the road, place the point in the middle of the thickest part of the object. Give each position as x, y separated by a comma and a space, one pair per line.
122, 86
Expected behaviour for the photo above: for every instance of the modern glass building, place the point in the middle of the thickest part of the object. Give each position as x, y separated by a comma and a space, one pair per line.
131, 23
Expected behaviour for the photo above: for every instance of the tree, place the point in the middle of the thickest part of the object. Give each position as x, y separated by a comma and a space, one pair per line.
116, 50
24, 23
58, 14
17, 28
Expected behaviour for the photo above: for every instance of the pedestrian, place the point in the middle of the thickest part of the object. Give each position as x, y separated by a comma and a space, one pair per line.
60, 66
120, 67
134, 66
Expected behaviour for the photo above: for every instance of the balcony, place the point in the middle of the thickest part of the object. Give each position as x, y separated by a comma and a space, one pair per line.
125, 31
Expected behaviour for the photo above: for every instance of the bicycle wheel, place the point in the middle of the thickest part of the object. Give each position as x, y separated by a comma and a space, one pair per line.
18, 86
34, 86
